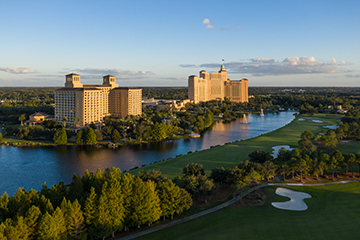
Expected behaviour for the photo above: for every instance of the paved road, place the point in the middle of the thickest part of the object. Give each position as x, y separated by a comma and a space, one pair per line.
200, 214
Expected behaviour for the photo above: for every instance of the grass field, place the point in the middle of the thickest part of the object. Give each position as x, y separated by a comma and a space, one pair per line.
333, 213
231, 154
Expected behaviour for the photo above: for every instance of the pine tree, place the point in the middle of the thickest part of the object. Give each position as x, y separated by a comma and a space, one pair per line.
16, 229
90, 137
140, 207
2, 231
52, 227
76, 188
76, 224
90, 208
60, 136
127, 182
154, 201
4, 210
32, 218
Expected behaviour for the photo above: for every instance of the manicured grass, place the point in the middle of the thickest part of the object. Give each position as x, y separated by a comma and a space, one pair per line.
333, 213
231, 154
349, 147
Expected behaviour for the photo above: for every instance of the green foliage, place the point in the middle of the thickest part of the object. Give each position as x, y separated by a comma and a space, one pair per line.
90, 137
260, 156
194, 169
60, 136
115, 136
79, 137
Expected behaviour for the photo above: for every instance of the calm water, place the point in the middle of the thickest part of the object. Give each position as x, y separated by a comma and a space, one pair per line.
31, 167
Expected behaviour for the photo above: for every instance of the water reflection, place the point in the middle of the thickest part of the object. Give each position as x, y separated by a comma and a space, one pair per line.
31, 167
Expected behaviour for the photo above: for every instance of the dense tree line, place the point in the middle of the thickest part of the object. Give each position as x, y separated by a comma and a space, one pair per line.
93, 206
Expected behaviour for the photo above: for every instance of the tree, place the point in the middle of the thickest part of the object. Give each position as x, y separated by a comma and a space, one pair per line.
284, 170
159, 131
127, 182
1, 137
90, 209
90, 137
170, 197
140, 207
75, 221
76, 189
98, 134
64, 122
153, 175
307, 135
194, 169
302, 167
154, 201
115, 136
335, 160
79, 137
52, 227
32, 218
60, 136
22, 118
259, 156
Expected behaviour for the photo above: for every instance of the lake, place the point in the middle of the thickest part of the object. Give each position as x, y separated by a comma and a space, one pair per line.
31, 167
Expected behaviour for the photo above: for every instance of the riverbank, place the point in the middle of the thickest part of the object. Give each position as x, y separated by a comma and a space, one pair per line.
230, 154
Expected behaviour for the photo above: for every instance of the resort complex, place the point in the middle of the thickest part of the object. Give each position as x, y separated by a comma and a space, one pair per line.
216, 86
79, 104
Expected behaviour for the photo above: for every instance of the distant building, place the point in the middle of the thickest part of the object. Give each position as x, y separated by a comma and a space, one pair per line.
216, 86
83, 104
38, 118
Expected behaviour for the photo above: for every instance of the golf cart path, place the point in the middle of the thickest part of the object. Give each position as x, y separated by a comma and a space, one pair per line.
223, 205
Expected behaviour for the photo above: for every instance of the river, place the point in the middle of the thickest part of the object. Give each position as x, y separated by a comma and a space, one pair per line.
31, 167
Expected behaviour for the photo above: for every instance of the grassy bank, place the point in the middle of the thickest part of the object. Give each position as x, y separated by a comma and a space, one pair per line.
332, 214
231, 154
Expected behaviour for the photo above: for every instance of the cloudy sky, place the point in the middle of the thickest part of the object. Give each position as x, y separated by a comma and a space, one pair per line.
161, 43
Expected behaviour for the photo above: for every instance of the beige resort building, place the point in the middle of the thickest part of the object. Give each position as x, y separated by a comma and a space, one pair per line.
82, 104
216, 86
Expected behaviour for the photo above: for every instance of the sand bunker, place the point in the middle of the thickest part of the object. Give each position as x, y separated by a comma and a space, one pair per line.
331, 126
277, 148
317, 121
301, 119
296, 202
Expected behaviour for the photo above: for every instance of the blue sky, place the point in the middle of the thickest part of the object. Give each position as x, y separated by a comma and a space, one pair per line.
161, 43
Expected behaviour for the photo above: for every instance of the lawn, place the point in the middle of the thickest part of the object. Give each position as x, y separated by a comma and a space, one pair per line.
231, 154
333, 213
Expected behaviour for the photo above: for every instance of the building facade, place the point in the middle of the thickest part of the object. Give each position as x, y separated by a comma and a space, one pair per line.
216, 86
78, 104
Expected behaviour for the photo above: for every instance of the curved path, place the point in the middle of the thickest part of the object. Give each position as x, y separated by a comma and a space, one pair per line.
225, 204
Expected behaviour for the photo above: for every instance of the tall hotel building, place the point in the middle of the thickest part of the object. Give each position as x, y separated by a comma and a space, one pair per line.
83, 104
216, 86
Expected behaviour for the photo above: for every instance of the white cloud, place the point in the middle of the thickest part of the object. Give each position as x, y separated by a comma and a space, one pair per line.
17, 70
225, 28
119, 73
290, 65
187, 65
343, 63
239, 27
353, 76
206, 21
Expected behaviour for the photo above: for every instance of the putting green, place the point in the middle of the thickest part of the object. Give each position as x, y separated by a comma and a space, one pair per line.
333, 213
